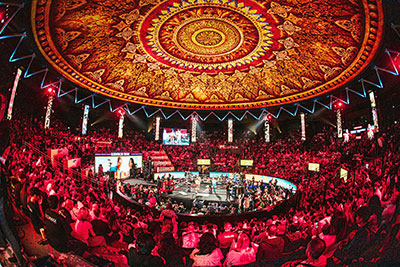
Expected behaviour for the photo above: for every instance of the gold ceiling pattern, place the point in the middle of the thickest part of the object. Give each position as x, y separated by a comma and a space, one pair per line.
208, 54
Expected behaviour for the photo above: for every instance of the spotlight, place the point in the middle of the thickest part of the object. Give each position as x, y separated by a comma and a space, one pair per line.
269, 117
339, 105
50, 90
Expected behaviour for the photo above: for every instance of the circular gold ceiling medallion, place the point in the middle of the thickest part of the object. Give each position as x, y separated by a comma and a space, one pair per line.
208, 54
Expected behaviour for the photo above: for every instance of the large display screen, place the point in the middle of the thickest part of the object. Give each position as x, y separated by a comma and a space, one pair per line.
178, 137
246, 162
343, 174
314, 167
118, 163
203, 161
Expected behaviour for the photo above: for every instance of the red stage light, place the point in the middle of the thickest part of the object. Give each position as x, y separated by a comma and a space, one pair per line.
50, 90
269, 117
2, 14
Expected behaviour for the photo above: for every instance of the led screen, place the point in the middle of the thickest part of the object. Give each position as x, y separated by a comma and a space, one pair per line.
203, 161
177, 137
313, 167
246, 162
118, 163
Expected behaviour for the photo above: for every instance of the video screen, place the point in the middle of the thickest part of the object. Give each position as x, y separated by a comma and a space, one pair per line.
177, 137
246, 162
343, 174
203, 161
313, 167
119, 164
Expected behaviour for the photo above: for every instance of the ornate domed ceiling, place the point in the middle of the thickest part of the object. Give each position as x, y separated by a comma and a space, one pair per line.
208, 54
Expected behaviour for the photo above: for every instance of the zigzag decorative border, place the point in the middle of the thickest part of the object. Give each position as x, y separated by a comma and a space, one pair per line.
61, 93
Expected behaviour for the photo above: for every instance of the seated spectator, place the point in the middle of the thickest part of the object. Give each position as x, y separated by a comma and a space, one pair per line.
271, 247
242, 252
140, 255
84, 230
361, 239
58, 230
172, 254
101, 228
314, 252
207, 253
190, 238
334, 233
226, 238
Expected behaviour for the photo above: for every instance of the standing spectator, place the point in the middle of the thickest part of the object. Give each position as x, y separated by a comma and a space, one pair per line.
168, 216
170, 186
207, 253
34, 208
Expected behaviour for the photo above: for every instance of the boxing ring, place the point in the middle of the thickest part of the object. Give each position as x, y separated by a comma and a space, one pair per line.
213, 186
181, 194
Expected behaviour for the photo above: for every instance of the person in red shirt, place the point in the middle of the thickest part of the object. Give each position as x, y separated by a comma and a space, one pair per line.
164, 186
170, 186
226, 238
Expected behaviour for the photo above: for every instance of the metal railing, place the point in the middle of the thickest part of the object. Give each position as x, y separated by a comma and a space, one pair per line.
67, 171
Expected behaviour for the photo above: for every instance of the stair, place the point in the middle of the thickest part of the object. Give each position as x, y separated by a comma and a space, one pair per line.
160, 161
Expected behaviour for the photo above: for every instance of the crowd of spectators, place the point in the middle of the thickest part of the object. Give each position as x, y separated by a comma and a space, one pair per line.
335, 222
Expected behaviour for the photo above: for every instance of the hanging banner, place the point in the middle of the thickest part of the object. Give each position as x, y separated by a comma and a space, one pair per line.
374, 111
339, 123
48, 112
157, 135
303, 126
194, 129
13, 92
121, 126
230, 130
85, 119
267, 131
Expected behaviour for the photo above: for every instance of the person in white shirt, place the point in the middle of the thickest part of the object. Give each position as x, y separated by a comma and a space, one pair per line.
207, 253
241, 253
83, 230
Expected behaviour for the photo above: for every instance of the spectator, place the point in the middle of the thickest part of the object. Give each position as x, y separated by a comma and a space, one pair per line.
58, 231
140, 256
190, 238
242, 253
362, 237
172, 254
34, 208
84, 230
314, 252
271, 247
207, 252
226, 238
